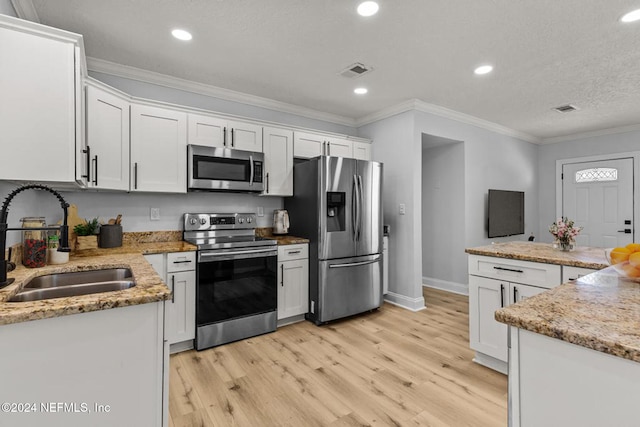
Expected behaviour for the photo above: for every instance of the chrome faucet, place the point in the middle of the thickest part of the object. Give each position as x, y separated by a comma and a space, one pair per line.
64, 228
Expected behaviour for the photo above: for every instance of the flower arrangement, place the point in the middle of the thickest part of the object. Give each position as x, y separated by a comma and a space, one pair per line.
565, 231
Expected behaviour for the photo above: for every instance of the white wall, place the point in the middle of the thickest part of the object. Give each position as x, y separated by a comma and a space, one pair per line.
491, 160
583, 147
6, 8
443, 213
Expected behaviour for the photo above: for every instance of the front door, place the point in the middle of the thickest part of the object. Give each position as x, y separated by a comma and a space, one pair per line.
599, 197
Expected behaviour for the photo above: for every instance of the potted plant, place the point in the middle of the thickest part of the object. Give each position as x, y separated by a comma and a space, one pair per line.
87, 234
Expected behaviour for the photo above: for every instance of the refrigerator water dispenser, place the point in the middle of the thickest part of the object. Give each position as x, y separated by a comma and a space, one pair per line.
335, 211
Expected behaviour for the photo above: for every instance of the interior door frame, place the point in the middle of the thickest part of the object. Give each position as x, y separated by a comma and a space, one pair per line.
635, 155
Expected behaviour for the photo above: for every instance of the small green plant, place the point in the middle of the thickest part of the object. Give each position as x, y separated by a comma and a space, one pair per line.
89, 228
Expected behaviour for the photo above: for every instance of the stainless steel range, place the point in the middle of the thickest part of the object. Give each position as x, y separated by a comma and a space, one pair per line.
236, 291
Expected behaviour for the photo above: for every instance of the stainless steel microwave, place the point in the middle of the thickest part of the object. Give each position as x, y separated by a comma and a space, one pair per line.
224, 169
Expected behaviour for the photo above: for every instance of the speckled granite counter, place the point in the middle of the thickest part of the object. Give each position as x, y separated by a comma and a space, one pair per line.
585, 257
600, 311
282, 239
149, 286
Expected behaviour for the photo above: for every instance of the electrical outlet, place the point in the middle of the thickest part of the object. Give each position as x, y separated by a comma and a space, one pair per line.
403, 209
155, 214
260, 211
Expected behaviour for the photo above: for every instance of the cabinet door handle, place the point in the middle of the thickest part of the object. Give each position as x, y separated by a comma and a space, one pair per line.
267, 182
87, 151
135, 176
173, 288
515, 294
232, 138
501, 295
95, 181
224, 136
281, 274
508, 269
328, 148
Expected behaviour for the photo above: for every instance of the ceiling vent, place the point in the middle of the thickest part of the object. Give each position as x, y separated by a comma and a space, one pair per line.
355, 70
566, 108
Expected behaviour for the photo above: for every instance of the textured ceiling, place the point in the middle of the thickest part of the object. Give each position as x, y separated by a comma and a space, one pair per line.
546, 53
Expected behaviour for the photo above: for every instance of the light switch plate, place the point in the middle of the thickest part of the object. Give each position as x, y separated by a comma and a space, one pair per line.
260, 211
403, 209
155, 214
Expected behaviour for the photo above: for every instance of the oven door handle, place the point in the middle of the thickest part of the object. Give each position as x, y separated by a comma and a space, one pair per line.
211, 256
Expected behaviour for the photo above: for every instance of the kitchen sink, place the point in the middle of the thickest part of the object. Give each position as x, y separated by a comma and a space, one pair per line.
74, 284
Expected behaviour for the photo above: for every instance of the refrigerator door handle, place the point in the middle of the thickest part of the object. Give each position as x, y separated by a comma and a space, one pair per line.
354, 207
360, 205
355, 264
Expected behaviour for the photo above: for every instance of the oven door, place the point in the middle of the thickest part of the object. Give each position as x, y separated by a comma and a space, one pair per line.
224, 169
235, 283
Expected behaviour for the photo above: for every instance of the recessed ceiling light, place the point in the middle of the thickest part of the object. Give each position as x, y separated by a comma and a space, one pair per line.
632, 16
368, 8
360, 90
181, 34
483, 69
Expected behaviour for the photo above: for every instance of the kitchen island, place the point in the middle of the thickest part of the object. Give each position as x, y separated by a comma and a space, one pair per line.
98, 359
574, 356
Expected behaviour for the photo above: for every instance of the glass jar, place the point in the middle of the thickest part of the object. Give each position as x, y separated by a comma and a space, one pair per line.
34, 242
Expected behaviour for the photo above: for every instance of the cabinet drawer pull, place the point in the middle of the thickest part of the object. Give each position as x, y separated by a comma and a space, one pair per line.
293, 252
182, 262
509, 269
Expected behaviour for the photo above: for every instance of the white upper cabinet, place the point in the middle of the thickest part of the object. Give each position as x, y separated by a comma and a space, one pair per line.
41, 103
361, 150
339, 147
158, 149
278, 162
308, 145
206, 130
107, 139
244, 136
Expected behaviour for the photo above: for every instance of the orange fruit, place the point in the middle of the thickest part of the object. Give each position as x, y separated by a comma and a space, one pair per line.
630, 270
634, 259
633, 247
619, 255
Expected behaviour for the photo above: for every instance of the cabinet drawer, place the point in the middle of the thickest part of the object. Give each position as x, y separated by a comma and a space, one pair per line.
291, 252
529, 273
573, 273
181, 261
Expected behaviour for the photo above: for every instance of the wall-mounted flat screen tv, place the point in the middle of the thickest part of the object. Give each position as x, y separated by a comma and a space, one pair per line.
506, 213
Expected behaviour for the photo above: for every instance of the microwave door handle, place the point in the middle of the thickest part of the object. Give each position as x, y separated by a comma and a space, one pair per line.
251, 170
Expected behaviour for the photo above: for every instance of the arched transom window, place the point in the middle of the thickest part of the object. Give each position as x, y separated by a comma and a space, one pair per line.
597, 175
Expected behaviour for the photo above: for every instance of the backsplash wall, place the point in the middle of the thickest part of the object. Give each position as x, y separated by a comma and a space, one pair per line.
134, 207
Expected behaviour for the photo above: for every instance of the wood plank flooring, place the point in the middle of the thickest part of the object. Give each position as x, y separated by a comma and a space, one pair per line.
391, 367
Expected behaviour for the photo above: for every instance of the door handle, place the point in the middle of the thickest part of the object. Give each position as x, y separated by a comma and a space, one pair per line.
232, 137
224, 136
135, 176
281, 274
501, 295
625, 231
87, 151
95, 181
354, 264
515, 294
251, 177
173, 288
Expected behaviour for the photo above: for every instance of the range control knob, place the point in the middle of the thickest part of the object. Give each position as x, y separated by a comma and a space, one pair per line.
240, 220
203, 221
249, 220
193, 221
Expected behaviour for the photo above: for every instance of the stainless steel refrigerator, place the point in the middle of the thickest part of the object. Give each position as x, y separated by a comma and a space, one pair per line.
337, 205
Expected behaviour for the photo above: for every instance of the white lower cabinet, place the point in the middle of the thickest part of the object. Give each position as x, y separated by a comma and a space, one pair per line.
293, 282
495, 283
177, 269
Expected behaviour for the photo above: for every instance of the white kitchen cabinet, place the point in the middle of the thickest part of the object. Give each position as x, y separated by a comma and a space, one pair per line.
158, 149
278, 161
570, 273
293, 283
495, 283
116, 358
107, 138
177, 269
244, 136
361, 150
41, 113
308, 145
206, 130
339, 147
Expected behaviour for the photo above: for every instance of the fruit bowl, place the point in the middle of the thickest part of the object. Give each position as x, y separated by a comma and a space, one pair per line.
625, 260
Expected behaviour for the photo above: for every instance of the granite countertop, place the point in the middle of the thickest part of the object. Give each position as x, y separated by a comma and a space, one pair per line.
283, 239
586, 257
600, 311
149, 286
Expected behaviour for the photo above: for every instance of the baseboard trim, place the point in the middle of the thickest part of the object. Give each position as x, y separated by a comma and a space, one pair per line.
411, 304
491, 363
443, 285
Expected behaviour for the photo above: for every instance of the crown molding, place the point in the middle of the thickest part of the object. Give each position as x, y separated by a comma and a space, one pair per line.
592, 134
107, 67
25, 10
425, 107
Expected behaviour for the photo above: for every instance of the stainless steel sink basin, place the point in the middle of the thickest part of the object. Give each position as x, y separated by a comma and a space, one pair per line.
74, 284
80, 277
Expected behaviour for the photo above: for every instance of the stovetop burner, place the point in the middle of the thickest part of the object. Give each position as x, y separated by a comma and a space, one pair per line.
219, 231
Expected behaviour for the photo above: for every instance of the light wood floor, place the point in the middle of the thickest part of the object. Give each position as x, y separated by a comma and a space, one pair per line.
391, 367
